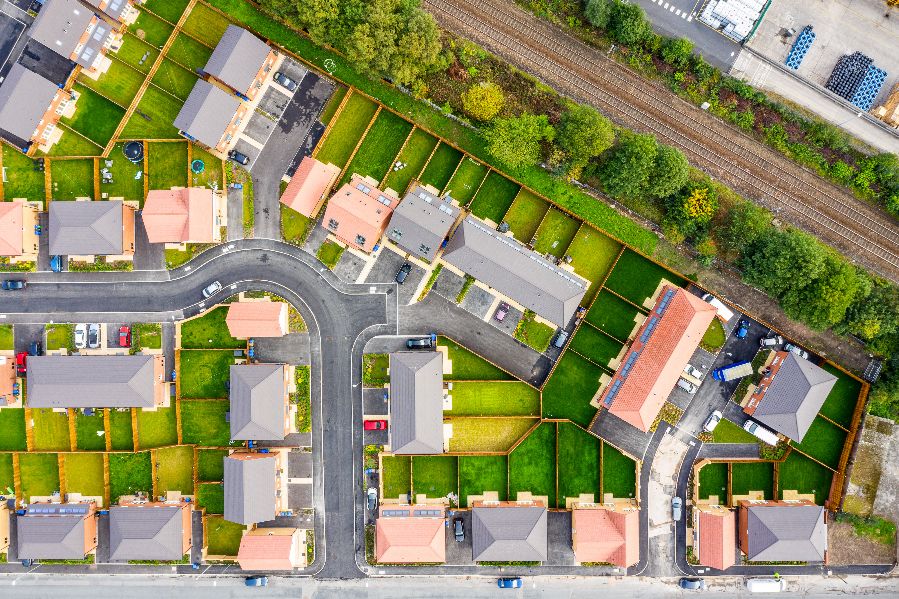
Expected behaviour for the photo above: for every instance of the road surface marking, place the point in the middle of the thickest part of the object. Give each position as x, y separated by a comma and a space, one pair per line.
677, 12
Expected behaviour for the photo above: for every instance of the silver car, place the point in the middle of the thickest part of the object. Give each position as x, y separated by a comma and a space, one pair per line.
93, 336
80, 336
712, 421
676, 508
212, 289
795, 350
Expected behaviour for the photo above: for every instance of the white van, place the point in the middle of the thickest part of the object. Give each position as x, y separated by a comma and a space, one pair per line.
724, 313
766, 585
760, 432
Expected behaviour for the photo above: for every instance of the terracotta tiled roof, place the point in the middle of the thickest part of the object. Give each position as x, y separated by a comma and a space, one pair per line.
410, 539
657, 356
179, 215
606, 536
257, 319
11, 228
358, 213
717, 539
265, 552
308, 185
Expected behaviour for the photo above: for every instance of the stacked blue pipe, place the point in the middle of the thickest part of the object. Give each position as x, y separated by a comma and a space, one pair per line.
800, 47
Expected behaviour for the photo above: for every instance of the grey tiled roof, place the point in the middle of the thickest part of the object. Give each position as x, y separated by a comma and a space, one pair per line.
61, 23
515, 271
421, 222
237, 58
207, 113
84, 228
145, 533
257, 402
509, 534
796, 394
416, 402
91, 382
53, 536
250, 491
781, 533
114, 8
24, 98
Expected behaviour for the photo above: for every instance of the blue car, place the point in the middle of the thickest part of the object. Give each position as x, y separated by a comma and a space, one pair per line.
256, 581
509, 583
56, 263
743, 330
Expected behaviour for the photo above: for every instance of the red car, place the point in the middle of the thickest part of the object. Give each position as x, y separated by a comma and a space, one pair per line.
21, 366
375, 425
124, 336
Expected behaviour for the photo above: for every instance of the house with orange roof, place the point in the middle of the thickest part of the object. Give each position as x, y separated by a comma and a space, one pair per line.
657, 356
257, 319
272, 549
606, 533
4, 527
408, 534
9, 383
184, 215
18, 234
714, 536
359, 212
309, 186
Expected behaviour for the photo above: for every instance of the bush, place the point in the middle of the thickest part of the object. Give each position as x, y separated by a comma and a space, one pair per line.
670, 172
627, 23
677, 51
515, 141
626, 167
692, 210
483, 101
598, 12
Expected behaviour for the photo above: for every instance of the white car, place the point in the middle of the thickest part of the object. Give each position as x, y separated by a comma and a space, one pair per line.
712, 421
80, 336
771, 341
212, 289
796, 350
694, 372
93, 336
686, 386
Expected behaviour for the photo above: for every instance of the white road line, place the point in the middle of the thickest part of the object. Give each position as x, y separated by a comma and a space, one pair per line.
677, 12
666, 5
690, 18
671, 9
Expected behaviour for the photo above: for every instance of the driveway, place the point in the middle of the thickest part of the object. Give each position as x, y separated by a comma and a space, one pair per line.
147, 256
385, 268
292, 348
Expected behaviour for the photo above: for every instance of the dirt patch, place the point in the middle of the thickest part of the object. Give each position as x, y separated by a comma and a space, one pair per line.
846, 548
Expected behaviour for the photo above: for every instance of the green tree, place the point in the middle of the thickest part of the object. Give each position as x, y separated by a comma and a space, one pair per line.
627, 23
669, 172
482, 101
691, 211
822, 302
583, 134
874, 314
744, 224
418, 48
515, 141
677, 51
598, 12
627, 166
781, 261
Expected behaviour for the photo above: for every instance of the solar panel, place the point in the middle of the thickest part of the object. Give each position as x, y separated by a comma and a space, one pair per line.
665, 300
647, 332
362, 188
613, 391
629, 364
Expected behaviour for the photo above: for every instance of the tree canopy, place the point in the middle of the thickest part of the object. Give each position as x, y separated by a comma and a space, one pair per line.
670, 172
483, 101
515, 141
627, 166
583, 134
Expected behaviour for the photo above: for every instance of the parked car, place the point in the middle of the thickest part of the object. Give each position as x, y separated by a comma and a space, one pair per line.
56, 263
686, 386
14, 284
36, 349
421, 343
93, 336
694, 372
771, 341
256, 581
560, 339
212, 289
509, 583
372, 498
285, 81
501, 312
375, 425
459, 529
402, 273
712, 421
766, 585
692, 584
676, 508
80, 336
124, 336
239, 157
743, 329
21, 363
796, 350
760, 432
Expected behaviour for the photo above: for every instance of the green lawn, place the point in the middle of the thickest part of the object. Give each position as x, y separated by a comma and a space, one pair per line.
378, 150
467, 366
532, 465
211, 464
728, 432
86, 429
73, 144
337, 147
329, 253
840, 403
636, 278
746, 477
556, 233
95, 117
175, 79
569, 390
153, 117
525, 214
129, 473
6, 337
333, 104
212, 497
205, 24
151, 29
12, 429
209, 332
147, 334
84, 474
824, 442
414, 156
579, 454
167, 164
124, 184
39, 474
441, 166
536, 335
595, 345
478, 474
120, 430
375, 370
72, 179
51, 430
508, 398
592, 255
619, 473
714, 337
435, 476
204, 373
188, 52
494, 198
175, 469
60, 336
613, 315
466, 181
713, 481
303, 399
120, 84
396, 475
473, 434
224, 536
7, 477
23, 179
157, 429
203, 423
136, 53
170, 10
798, 473
294, 226
213, 170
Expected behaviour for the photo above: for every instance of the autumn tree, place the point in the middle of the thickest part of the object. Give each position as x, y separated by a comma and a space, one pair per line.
483, 101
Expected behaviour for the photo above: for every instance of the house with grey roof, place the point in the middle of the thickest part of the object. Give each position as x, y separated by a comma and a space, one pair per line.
508, 532
241, 61
87, 228
252, 487
782, 531
56, 531
520, 274
28, 107
72, 30
96, 381
416, 402
421, 222
211, 116
121, 11
149, 531
260, 407
790, 395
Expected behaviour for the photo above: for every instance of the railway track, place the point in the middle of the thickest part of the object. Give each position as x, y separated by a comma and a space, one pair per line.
796, 194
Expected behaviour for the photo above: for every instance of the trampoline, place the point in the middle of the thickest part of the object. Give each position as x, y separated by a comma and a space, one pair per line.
197, 166
134, 151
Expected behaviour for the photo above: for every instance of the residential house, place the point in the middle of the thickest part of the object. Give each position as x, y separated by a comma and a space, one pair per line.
783, 531
184, 215
522, 275
30, 108
260, 407
252, 487
790, 394
211, 116
422, 221
309, 186
505, 531
714, 536
272, 549
83, 230
122, 12
606, 533
97, 381
408, 534
241, 61
158, 531
74, 31
657, 356
18, 231
416, 402
57, 531
9, 384
257, 319
358, 213
4, 526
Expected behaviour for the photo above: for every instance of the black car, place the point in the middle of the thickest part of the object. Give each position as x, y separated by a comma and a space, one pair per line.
36, 349
422, 343
459, 529
285, 81
14, 284
239, 157
402, 273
